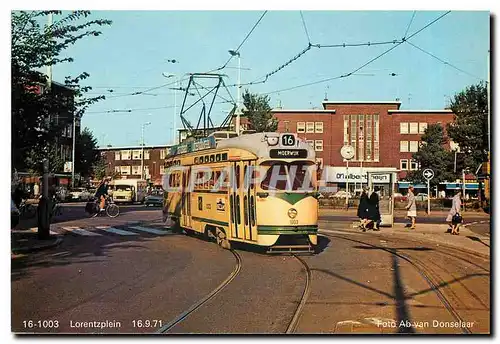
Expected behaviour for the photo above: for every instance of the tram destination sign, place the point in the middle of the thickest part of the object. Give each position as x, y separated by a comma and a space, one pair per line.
288, 153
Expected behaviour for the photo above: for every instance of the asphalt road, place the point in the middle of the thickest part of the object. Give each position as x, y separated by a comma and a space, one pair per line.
128, 275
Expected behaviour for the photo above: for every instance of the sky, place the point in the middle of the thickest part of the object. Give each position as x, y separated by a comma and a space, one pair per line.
132, 54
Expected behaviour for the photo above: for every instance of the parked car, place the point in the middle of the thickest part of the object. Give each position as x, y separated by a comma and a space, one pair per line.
421, 197
80, 194
154, 199
398, 197
341, 194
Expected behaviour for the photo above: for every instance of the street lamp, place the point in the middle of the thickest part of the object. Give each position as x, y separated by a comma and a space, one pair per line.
238, 112
142, 146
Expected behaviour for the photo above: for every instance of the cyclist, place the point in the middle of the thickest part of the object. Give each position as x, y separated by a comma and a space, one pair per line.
101, 193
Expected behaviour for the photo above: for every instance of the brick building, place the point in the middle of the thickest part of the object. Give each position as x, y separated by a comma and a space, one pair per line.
125, 162
383, 135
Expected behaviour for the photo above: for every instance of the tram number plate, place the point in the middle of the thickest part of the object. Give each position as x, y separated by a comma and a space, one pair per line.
294, 222
288, 140
288, 153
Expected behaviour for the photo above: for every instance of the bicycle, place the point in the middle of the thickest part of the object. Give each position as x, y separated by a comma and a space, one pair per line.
27, 210
110, 208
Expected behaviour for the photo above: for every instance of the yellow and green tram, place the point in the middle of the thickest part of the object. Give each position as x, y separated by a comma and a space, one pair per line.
259, 189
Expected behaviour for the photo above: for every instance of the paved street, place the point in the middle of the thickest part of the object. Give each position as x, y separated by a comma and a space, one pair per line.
134, 272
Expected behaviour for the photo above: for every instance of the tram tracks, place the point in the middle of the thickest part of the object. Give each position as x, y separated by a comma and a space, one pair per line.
292, 326
429, 275
181, 317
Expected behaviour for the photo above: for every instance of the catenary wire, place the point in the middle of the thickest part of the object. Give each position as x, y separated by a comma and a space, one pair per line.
411, 21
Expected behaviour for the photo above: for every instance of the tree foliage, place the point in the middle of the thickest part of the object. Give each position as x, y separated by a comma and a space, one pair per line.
86, 153
433, 154
258, 112
34, 46
470, 129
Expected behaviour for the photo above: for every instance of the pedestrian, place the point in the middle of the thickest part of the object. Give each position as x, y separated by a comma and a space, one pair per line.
36, 190
373, 209
454, 218
411, 207
363, 209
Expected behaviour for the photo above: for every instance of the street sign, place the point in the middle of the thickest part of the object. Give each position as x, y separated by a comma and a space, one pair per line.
67, 166
428, 174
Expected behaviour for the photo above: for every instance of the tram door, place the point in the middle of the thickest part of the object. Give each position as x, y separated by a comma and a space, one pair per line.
248, 197
235, 201
186, 199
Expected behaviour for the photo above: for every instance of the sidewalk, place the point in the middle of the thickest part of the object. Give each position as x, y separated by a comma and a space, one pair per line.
26, 241
434, 233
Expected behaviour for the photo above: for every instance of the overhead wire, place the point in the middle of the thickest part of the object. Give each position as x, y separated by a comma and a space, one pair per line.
365, 64
305, 27
445, 62
411, 21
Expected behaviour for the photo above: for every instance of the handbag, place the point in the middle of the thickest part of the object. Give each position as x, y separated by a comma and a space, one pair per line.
456, 218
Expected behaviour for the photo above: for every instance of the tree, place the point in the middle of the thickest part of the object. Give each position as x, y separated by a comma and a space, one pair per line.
33, 108
432, 154
86, 153
470, 128
99, 168
259, 112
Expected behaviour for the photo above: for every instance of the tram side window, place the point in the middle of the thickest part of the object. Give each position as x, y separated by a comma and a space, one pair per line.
237, 176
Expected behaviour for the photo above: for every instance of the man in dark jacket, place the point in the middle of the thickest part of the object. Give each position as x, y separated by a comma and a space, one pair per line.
373, 210
101, 193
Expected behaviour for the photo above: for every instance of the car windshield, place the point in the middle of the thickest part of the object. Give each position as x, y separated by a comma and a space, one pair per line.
123, 188
294, 176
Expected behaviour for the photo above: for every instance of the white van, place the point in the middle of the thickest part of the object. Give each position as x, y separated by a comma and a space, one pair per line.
129, 190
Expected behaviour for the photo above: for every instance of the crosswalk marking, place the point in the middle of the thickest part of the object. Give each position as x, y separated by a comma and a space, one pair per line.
80, 231
150, 230
118, 231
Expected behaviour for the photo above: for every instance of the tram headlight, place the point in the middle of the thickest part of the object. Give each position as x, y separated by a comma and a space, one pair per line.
292, 213
272, 140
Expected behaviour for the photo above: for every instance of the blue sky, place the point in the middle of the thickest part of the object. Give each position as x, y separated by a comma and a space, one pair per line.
132, 53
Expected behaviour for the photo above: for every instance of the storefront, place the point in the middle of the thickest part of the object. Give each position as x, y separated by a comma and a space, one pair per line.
354, 178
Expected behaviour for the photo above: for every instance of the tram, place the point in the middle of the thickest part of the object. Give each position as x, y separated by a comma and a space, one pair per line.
259, 189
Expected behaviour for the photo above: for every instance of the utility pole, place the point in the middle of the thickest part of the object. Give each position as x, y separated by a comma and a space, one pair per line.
142, 148
73, 153
489, 104
238, 110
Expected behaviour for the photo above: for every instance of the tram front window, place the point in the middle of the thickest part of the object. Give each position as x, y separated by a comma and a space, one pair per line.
295, 176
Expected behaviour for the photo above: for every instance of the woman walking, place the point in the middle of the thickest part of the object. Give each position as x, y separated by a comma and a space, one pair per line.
454, 219
363, 210
411, 207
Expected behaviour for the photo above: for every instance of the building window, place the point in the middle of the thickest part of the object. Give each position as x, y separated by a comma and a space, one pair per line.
361, 137
319, 162
117, 155
353, 134
318, 127
422, 127
413, 165
126, 154
413, 128
403, 128
125, 170
162, 169
287, 126
311, 143
318, 145
403, 146
117, 169
136, 170
413, 146
403, 164
301, 127
310, 127
163, 154
146, 172
346, 130
146, 155
368, 137
376, 152
136, 154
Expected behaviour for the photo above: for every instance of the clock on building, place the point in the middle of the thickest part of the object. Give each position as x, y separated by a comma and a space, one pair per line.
347, 152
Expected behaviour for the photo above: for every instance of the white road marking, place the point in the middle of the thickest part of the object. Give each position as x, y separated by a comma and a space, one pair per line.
35, 230
118, 231
80, 231
150, 230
